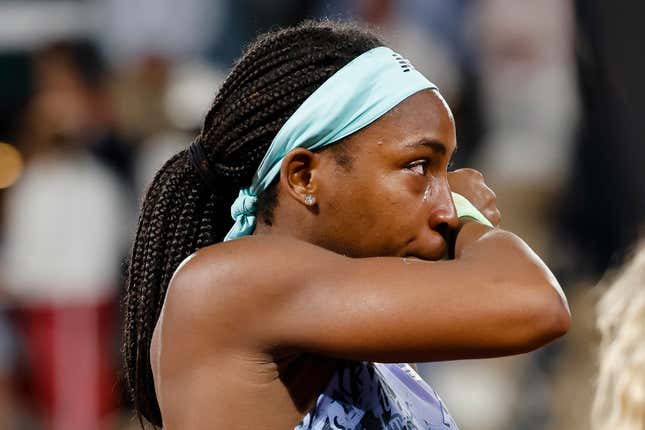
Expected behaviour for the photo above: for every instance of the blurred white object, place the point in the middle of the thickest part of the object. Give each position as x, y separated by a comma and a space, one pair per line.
65, 232
191, 90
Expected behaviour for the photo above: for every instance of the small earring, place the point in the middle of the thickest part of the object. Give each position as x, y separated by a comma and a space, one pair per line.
310, 200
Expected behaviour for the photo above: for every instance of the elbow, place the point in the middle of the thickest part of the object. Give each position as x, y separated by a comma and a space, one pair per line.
546, 316
548, 320
557, 321
557, 315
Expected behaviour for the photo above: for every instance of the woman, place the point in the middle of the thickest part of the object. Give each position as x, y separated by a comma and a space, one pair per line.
281, 327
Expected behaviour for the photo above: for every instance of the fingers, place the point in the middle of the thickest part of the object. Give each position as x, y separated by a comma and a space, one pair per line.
471, 184
492, 212
487, 201
488, 206
494, 216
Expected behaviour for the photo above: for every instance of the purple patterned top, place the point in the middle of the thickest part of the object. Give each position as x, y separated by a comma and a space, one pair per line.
377, 396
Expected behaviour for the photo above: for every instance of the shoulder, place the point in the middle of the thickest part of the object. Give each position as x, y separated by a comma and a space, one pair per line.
250, 260
243, 279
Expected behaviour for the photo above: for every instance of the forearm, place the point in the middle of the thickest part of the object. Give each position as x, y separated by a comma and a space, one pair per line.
494, 299
475, 240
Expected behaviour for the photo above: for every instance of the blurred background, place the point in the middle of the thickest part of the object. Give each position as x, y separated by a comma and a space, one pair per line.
96, 94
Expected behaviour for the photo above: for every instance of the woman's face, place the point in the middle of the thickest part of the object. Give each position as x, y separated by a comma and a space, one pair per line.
394, 199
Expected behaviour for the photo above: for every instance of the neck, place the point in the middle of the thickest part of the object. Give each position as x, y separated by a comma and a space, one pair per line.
262, 229
295, 226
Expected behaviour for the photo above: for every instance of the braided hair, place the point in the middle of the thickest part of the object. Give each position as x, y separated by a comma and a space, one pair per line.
181, 213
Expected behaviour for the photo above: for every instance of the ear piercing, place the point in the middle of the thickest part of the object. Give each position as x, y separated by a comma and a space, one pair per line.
310, 200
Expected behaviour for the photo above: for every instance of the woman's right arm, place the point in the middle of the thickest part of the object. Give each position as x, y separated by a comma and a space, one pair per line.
495, 298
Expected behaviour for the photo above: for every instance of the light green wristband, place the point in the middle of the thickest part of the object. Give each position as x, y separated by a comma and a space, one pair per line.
465, 209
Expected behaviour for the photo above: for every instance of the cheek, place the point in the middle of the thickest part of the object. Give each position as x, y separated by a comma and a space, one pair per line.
393, 205
407, 203
375, 217
405, 191
389, 205
355, 211
357, 206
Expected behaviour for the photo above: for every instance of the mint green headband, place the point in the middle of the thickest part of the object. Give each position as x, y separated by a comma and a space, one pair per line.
351, 99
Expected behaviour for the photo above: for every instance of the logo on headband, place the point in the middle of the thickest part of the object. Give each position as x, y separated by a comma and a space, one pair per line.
406, 66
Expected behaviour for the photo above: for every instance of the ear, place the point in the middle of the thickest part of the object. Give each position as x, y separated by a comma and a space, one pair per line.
299, 174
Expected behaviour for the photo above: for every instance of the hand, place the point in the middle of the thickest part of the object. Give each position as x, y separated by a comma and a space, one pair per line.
470, 184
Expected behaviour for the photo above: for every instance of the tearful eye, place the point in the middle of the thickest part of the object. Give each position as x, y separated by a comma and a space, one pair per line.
419, 167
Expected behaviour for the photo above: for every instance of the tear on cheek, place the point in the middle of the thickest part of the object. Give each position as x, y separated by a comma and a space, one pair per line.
426, 193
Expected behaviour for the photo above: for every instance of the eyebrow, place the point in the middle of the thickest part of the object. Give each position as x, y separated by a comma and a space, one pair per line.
435, 145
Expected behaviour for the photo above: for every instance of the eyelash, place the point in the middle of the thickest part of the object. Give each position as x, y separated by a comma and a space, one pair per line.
425, 163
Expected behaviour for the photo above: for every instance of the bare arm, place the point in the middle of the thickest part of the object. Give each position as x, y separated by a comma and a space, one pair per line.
496, 298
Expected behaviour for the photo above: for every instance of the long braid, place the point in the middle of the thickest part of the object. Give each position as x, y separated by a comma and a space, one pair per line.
180, 214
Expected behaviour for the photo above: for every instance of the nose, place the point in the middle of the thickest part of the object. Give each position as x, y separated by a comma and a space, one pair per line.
444, 214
